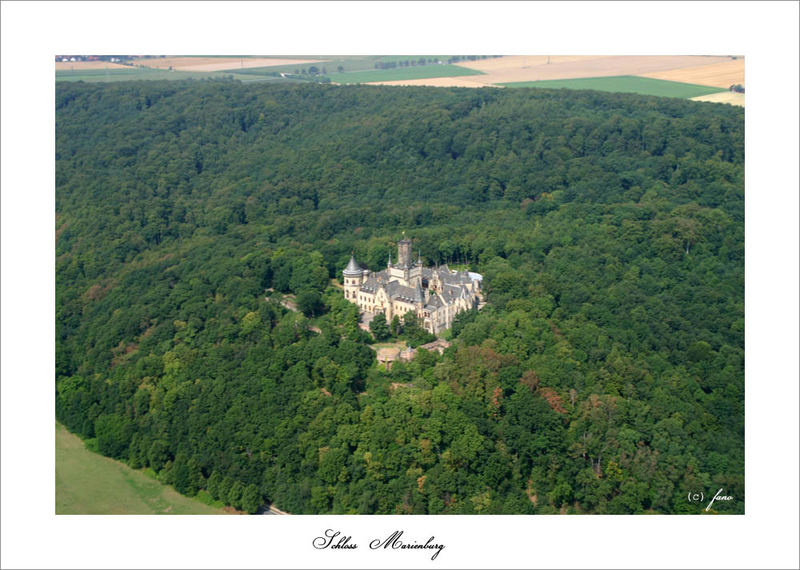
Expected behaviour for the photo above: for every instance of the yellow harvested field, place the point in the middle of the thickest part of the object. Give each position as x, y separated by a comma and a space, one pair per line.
81, 65
724, 97
521, 61
437, 82
217, 63
509, 69
722, 74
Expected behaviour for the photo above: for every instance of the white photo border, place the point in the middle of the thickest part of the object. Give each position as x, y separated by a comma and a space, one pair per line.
765, 32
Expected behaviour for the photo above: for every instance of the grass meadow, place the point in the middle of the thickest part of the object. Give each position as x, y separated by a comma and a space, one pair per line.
625, 84
401, 73
88, 483
147, 73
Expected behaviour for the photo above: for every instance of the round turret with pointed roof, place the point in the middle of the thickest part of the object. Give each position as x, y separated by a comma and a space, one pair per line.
353, 269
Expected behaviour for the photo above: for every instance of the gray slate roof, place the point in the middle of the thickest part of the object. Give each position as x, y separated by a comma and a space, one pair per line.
453, 285
352, 268
434, 303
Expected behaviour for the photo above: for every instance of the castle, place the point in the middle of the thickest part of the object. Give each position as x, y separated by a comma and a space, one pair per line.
435, 295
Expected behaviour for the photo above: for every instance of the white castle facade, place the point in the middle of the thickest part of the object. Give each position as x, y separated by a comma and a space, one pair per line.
435, 295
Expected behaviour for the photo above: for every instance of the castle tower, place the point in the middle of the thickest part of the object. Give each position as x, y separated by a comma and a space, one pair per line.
353, 275
404, 253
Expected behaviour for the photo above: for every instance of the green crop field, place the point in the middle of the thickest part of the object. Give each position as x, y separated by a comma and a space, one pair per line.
139, 73
625, 84
89, 483
329, 63
400, 73
399, 58
349, 64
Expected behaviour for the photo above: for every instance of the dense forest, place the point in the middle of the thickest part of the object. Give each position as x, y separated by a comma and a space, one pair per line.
604, 375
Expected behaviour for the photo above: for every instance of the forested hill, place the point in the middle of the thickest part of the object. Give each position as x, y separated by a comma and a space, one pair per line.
605, 375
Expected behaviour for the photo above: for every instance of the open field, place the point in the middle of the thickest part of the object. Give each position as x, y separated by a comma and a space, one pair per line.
217, 63
670, 76
84, 65
437, 82
331, 63
511, 62
625, 84
139, 73
288, 64
723, 97
89, 483
123, 74
535, 68
402, 73
722, 74
295, 67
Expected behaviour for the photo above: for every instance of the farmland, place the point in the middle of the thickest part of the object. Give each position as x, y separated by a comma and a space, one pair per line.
541, 68
88, 483
682, 76
462, 81
339, 69
139, 73
86, 65
723, 74
625, 84
418, 72
206, 64
335, 67
729, 97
